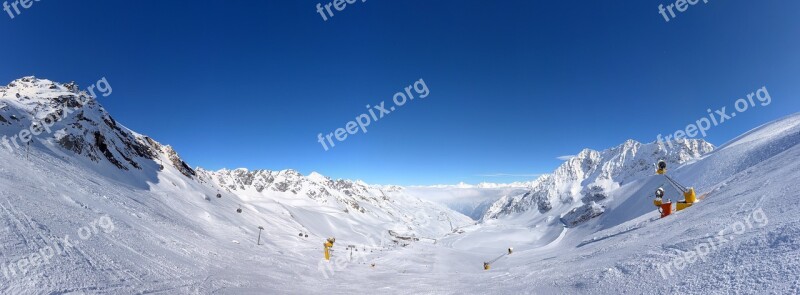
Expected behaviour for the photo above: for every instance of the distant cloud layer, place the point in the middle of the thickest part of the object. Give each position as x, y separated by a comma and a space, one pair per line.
564, 158
508, 175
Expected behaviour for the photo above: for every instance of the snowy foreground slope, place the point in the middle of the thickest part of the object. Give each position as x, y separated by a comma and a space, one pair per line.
90, 209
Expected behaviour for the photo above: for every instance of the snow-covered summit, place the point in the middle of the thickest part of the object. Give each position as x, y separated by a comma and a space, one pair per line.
63, 117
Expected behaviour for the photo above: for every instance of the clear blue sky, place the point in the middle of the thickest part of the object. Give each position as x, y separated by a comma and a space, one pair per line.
514, 84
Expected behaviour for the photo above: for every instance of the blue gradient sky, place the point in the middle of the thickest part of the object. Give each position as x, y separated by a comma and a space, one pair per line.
514, 84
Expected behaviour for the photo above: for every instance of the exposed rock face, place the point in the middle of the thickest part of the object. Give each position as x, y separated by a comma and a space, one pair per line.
77, 123
582, 214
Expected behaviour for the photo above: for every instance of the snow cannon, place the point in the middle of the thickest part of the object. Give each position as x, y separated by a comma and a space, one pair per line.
486, 266
661, 167
510, 250
327, 245
690, 197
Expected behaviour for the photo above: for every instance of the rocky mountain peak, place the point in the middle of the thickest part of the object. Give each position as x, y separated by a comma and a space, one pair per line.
587, 176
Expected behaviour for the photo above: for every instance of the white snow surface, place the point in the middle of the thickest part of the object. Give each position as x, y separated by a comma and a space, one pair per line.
172, 235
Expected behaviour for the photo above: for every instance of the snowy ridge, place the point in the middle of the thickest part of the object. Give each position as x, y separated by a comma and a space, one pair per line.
77, 123
387, 203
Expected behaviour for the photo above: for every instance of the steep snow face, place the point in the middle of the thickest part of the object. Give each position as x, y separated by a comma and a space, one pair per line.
740, 153
589, 176
60, 116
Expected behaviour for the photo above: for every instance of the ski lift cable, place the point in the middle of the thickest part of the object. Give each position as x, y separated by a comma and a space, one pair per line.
496, 259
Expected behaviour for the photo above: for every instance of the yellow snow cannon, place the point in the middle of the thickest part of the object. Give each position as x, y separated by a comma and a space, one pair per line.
661, 167
689, 195
486, 266
328, 244
689, 198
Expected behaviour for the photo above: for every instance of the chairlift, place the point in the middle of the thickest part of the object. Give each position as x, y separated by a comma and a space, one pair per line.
219, 196
239, 210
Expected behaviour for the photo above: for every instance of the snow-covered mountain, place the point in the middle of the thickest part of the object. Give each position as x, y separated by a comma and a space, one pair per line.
386, 204
120, 213
581, 184
171, 222
60, 118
